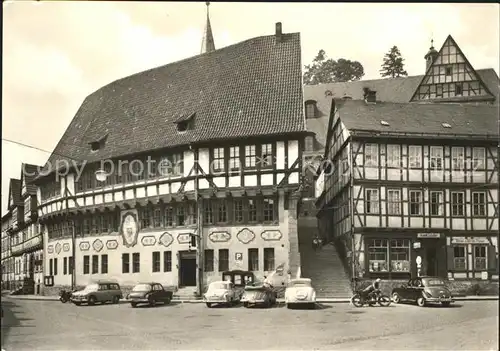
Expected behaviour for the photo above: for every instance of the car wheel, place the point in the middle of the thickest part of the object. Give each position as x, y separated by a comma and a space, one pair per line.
312, 306
289, 306
245, 304
116, 299
78, 303
209, 305
92, 300
396, 298
152, 301
445, 304
167, 301
133, 304
421, 302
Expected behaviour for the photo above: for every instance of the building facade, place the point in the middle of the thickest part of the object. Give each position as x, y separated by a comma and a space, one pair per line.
411, 189
7, 261
222, 180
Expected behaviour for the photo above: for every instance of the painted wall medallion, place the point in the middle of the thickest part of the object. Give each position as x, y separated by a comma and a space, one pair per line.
65, 247
98, 245
166, 239
148, 240
112, 244
58, 248
245, 236
219, 237
50, 249
129, 228
184, 238
271, 235
84, 246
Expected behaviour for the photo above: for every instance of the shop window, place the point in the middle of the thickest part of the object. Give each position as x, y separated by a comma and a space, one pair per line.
377, 255
400, 255
480, 258
459, 258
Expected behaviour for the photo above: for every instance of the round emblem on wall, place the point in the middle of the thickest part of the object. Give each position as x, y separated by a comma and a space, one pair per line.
148, 240
166, 239
66, 247
245, 236
111, 244
97, 245
58, 248
129, 229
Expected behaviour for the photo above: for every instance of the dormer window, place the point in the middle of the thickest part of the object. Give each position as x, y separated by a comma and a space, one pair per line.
449, 71
98, 144
185, 122
310, 109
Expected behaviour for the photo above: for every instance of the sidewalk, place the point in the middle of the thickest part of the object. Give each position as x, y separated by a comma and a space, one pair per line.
321, 300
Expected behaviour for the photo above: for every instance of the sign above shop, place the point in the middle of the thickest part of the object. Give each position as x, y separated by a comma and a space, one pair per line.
429, 235
470, 240
417, 245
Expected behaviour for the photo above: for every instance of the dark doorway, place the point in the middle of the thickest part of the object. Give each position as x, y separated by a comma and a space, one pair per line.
431, 261
187, 269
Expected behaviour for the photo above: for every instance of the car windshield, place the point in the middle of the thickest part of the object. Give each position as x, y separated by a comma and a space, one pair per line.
433, 282
91, 287
142, 287
217, 286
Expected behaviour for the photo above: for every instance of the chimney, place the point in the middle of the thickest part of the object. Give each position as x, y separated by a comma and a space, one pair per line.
279, 34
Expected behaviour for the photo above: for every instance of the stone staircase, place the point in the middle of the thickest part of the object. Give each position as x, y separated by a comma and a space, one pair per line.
186, 294
324, 267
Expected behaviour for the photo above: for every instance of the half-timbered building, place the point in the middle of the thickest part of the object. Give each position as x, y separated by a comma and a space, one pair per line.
203, 160
410, 187
7, 260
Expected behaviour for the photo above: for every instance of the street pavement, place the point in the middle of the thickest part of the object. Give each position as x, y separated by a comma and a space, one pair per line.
48, 325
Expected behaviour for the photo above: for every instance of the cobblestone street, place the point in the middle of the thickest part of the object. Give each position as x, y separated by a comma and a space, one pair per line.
30, 325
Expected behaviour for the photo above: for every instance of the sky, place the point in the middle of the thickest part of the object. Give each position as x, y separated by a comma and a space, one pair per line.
56, 53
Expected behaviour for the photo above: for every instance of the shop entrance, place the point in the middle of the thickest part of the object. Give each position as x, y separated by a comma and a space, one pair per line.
433, 257
187, 268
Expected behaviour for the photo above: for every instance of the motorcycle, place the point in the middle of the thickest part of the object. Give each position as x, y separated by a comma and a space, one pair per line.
359, 299
65, 295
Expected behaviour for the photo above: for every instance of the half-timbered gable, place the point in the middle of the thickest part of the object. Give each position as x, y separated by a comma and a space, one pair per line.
412, 180
209, 147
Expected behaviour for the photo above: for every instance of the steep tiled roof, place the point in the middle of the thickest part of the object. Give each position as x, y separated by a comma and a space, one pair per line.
30, 172
15, 191
253, 88
465, 120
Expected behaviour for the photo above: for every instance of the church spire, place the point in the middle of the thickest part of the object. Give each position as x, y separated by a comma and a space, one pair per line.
207, 44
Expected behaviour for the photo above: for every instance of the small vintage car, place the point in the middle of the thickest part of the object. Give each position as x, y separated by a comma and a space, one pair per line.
299, 292
149, 293
221, 292
99, 292
259, 295
423, 290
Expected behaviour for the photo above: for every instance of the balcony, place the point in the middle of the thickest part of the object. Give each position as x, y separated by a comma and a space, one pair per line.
29, 245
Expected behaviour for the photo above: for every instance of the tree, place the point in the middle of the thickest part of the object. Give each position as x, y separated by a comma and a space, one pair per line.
324, 70
393, 65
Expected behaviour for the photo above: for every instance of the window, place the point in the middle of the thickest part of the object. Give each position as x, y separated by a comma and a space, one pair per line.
221, 210
269, 259
209, 260
70, 265
104, 264
65, 265
393, 156
371, 201
252, 210
136, 262
459, 258
164, 167
310, 109
479, 203
253, 259
458, 89
457, 158
436, 203
377, 255
223, 260
448, 70
234, 158
415, 156
86, 264
95, 264
208, 217
478, 158
125, 263
157, 217
218, 159
27, 204
269, 210
169, 216
145, 217
238, 210
393, 202
457, 203
480, 263
371, 155
55, 266
266, 157
167, 261
156, 261
400, 255
415, 202
250, 156
178, 164
436, 157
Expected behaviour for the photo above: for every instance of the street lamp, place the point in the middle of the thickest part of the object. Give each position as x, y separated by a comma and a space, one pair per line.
100, 176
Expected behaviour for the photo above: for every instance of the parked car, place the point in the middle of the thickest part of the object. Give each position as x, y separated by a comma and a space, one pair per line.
99, 292
259, 295
149, 293
299, 292
423, 290
221, 292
